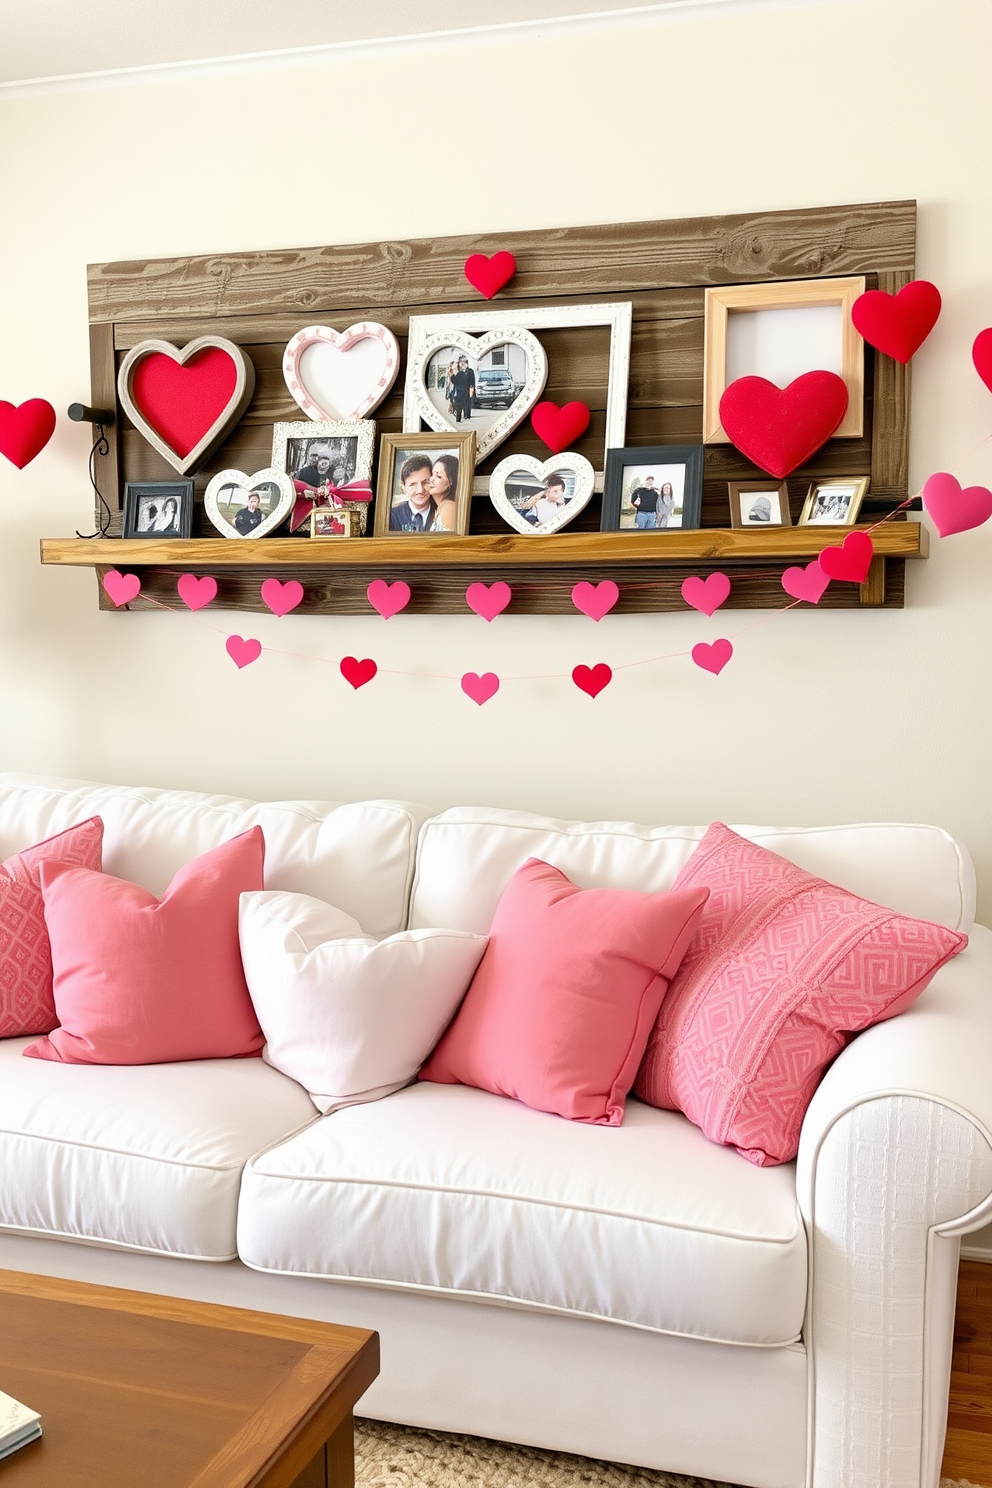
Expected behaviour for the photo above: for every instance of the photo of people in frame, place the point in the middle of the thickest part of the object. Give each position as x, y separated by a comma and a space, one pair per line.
322, 466
246, 510
540, 501
834, 503
652, 497
424, 491
472, 393
158, 509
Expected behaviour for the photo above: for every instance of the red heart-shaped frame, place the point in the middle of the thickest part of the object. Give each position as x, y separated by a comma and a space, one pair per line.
780, 428
184, 400
897, 324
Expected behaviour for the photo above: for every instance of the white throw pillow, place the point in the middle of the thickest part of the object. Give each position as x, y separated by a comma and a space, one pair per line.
351, 1018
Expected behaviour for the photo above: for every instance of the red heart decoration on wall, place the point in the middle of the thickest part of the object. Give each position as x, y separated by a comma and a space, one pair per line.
488, 275
897, 324
560, 427
981, 355
851, 561
182, 402
780, 428
592, 679
25, 430
358, 672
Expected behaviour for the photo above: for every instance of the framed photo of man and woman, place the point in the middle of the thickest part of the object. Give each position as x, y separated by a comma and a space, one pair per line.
329, 463
158, 509
424, 484
653, 488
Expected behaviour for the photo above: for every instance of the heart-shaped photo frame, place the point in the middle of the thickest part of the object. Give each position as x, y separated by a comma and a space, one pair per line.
228, 502
183, 400
538, 497
341, 374
487, 383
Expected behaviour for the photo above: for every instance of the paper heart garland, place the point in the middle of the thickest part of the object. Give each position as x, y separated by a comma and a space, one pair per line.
242, 652
981, 355
851, 561
184, 400
341, 374
713, 658
121, 588
592, 679
576, 471
809, 583
488, 600
281, 598
778, 429
489, 275
358, 672
196, 593
706, 595
225, 486
897, 324
559, 427
480, 689
388, 599
25, 430
595, 600
952, 509
431, 405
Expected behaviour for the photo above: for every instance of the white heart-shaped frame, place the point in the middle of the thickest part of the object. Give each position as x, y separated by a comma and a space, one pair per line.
476, 348
244, 386
282, 509
341, 374
584, 477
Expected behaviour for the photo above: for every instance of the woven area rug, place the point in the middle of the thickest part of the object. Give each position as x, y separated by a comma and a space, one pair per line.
399, 1457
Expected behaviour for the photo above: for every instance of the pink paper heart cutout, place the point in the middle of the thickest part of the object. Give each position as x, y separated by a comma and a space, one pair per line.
592, 679
952, 509
713, 658
25, 430
488, 275
122, 588
851, 561
706, 595
480, 689
388, 599
809, 583
242, 652
194, 592
281, 598
358, 672
488, 600
595, 600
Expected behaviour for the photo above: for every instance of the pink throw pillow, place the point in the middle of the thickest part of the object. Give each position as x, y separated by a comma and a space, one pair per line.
566, 994
26, 1003
785, 968
140, 980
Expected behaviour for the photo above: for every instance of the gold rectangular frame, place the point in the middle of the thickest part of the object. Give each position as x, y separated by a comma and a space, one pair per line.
350, 519
734, 490
720, 302
390, 444
860, 484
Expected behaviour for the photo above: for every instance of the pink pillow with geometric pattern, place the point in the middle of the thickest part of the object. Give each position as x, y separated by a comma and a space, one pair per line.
26, 1001
783, 970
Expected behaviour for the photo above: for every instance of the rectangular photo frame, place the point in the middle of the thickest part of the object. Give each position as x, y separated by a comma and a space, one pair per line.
759, 504
663, 482
333, 522
424, 484
835, 502
158, 509
336, 454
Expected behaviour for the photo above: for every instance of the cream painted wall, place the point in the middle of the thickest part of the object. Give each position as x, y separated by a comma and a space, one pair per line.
819, 718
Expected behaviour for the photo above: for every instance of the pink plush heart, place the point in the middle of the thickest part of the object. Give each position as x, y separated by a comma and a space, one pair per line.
488, 600
358, 672
780, 428
242, 652
281, 598
809, 583
194, 592
595, 600
25, 430
480, 689
706, 595
955, 510
560, 427
851, 561
592, 679
488, 275
713, 658
388, 599
122, 588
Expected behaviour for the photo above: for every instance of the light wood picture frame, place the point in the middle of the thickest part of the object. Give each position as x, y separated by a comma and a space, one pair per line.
835, 502
751, 500
399, 497
722, 302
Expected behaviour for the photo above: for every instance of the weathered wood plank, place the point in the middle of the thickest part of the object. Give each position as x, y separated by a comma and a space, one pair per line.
890, 449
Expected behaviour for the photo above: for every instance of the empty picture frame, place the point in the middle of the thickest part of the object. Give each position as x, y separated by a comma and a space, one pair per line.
779, 331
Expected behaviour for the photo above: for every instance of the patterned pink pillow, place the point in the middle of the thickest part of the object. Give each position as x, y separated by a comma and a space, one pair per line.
783, 970
26, 1001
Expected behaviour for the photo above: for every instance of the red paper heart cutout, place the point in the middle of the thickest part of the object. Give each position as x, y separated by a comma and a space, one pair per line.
182, 403
25, 430
592, 679
713, 658
488, 275
480, 689
897, 324
281, 598
560, 427
122, 588
780, 428
358, 672
809, 583
242, 652
851, 561
194, 592
981, 355
706, 595
952, 509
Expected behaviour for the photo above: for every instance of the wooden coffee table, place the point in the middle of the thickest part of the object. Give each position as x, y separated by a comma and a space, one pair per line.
142, 1391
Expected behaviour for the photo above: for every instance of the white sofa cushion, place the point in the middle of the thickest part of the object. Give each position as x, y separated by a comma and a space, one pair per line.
467, 855
358, 856
454, 1190
148, 1157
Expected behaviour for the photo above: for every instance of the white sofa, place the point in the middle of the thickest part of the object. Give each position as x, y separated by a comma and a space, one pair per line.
633, 1293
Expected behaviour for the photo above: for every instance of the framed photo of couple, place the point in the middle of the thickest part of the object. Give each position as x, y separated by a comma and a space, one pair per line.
652, 488
424, 484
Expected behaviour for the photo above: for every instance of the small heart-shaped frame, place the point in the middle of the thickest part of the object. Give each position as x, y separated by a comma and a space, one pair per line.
475, 348
207, 437
248, 483
568, 465
341, 374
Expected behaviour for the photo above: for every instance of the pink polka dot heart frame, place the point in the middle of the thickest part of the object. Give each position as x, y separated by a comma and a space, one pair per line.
336, 375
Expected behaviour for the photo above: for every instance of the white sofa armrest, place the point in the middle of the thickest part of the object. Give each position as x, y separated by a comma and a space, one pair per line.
895, 1164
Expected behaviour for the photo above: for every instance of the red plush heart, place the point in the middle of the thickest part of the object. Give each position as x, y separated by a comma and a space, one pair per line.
488, 275
358, 672
182, 402
897, 324
780, 428
592, 679
560, 427
981, 355
851, 561
25, 430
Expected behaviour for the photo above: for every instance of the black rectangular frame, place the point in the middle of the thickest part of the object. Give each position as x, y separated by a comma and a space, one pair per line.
617, 460
179, 491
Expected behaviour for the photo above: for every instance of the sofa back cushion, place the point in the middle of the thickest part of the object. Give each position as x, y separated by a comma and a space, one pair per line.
466, 857
358, 856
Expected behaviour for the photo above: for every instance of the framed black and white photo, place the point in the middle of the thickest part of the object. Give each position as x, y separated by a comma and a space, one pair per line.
158, 509
424, 484
653, 488
834, 503
759, 504
329, 463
